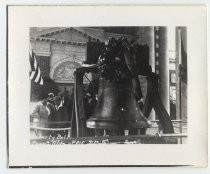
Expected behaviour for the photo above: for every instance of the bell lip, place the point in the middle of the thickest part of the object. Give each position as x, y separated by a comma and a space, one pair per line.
102, 125
112, 125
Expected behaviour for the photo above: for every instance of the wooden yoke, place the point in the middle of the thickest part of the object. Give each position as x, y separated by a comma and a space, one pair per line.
153, 100
78, 119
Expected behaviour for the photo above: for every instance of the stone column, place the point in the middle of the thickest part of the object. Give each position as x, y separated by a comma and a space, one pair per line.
161, 46
146, 36
184, 74
181, 77
178, 62
149, 40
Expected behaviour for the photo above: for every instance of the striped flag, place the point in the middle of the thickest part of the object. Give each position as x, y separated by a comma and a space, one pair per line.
35, 73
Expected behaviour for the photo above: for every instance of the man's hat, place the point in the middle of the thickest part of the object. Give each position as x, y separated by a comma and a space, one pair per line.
51, 97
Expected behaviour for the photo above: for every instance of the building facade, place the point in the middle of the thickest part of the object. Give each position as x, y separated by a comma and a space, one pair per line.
60, 50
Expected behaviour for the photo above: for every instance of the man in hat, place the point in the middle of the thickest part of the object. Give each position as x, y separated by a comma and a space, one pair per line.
51, 97
51, 106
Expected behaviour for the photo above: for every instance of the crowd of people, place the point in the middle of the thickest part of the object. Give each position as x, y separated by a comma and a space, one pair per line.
53, 111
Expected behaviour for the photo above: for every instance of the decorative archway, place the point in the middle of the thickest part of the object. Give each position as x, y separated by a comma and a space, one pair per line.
64, 72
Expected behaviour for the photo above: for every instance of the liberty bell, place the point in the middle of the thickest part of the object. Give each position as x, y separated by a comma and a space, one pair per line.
116, 108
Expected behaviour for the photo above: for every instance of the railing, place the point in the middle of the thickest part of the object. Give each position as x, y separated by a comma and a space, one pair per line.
131, 139
36, 127
143, 139
174, 121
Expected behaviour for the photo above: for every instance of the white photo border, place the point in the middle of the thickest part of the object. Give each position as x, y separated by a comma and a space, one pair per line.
21, 153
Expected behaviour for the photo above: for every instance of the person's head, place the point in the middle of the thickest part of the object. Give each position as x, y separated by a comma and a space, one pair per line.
44, 98
51, 95
44, 101
57, 100
60, 94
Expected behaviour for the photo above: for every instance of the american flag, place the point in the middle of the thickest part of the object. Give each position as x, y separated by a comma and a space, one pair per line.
35, 73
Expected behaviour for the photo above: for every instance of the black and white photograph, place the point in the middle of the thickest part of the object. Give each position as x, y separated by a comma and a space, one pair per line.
107, 86
121, 85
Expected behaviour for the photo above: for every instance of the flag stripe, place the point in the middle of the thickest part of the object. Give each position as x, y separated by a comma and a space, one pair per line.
41, 82
32, 62
32, 75
35, 73
30, 50
35, 63
38, 76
